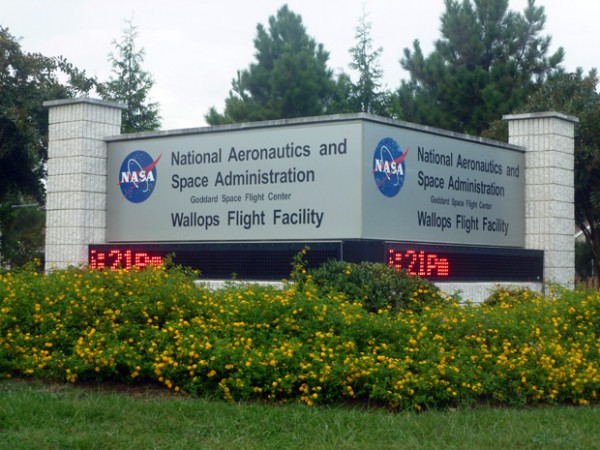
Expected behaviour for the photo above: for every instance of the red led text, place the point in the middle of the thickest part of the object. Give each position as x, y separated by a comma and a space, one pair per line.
122, 259
419, 262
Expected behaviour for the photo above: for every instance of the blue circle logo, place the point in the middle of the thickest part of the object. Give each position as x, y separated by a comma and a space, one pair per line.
389, 168
137, 177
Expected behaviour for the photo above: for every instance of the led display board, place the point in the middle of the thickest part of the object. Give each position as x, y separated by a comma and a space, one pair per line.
273, 260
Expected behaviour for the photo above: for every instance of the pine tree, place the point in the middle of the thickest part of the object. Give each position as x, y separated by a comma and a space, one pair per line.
365, 95
290, 77
130, 84
487, 62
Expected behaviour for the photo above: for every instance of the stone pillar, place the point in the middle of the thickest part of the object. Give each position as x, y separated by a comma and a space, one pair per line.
549, 188
76, 189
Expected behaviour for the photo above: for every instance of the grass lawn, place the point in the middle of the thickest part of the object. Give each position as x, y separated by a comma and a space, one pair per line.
36, 415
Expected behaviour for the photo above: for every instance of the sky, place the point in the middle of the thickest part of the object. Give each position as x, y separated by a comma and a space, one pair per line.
194, 48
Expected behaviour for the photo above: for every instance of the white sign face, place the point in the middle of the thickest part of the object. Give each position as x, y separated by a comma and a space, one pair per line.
429, 187
339, 178
295, 182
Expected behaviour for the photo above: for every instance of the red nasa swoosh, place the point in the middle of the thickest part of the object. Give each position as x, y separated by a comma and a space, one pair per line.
145, 169
398, 160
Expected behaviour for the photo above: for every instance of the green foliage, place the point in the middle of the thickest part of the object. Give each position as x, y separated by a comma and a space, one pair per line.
375, 285
131, 85
21, 233
289, 79
485, 64
340, 99
27, 80
296, 344
299, 273
570, 93
584, 259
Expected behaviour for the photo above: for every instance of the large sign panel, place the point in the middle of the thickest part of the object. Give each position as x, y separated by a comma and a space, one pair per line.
295, 182
339, 178
429, 187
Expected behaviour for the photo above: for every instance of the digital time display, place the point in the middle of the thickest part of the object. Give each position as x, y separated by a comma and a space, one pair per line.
272, 261
256, 261
461, 263
123, 258
419, 262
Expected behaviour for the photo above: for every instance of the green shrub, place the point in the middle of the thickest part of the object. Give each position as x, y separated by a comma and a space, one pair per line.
297, 344
375, 285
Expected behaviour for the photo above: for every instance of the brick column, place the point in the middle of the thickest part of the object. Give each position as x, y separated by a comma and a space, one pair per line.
76, 190
549, 188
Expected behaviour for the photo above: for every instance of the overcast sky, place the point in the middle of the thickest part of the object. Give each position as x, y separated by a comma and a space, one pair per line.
194, 48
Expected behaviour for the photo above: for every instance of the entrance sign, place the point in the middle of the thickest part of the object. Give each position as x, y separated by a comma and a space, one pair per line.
336, 177
361, 187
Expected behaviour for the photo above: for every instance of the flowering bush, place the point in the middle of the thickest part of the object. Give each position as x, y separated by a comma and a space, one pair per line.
297, 343
375, 285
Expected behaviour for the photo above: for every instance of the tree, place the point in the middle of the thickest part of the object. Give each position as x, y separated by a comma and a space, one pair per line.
130, 84
365, 95
575, 94
27, 80
487, 62
290, 77
22, 233
340, 100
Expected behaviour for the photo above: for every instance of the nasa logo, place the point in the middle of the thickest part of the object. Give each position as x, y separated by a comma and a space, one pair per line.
137, 177
389, 168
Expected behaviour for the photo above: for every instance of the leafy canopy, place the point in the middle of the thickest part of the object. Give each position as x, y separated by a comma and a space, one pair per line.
27, 80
